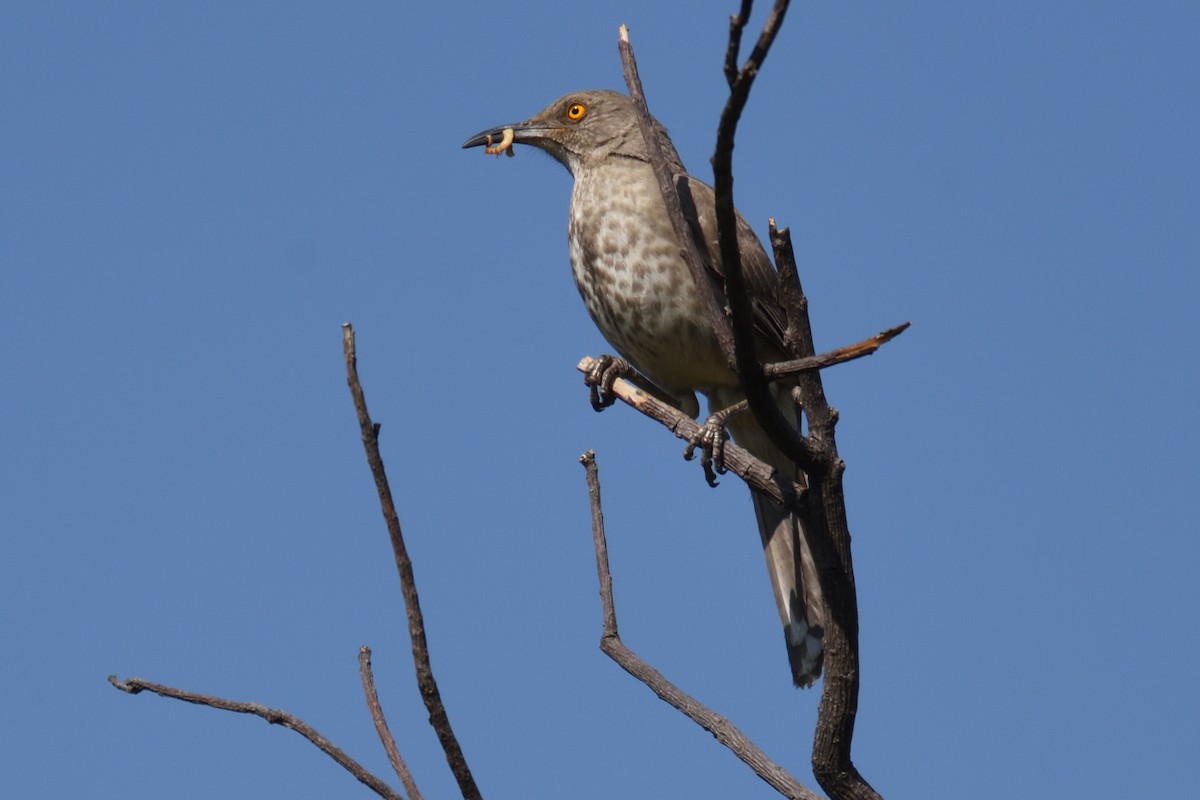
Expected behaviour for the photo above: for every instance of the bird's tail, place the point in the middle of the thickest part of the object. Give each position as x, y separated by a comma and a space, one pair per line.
797, 590
789, 560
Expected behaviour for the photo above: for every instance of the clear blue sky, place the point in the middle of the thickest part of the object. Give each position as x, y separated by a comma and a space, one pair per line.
194, 197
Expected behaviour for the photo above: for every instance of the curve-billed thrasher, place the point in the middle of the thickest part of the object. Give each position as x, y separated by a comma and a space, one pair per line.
640, 294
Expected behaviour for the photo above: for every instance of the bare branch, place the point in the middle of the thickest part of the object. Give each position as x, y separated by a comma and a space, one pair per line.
272, 715
588, 460
689, 248
416, 623
749, 369
839, 356
381, 726
736, 23
721, 728
829, 539
756, 473
797, 336
824, 513
825, 521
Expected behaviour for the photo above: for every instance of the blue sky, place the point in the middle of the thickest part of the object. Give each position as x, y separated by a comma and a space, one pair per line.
194, 197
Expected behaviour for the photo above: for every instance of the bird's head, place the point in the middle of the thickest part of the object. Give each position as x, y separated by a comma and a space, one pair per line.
579, 129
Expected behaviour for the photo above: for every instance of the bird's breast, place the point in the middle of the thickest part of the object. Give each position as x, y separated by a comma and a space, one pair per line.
634, 283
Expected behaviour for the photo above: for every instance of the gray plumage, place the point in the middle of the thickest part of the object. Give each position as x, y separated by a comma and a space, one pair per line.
640, 294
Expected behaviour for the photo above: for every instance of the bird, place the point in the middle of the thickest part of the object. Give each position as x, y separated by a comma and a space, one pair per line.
641, 295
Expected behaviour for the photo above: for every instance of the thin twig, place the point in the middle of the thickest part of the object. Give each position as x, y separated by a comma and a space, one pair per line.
381, 726
272, 715
721, 728
749, 369
736, 23
841, 355
669, 184
609, 611
416, 623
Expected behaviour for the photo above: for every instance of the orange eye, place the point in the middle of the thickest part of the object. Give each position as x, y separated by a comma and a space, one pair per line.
576, 111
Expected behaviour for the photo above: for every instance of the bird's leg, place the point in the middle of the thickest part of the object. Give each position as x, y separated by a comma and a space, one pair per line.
601, 377
711, 438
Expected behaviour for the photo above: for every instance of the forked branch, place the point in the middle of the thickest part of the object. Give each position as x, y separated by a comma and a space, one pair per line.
823, 514
274, 716
408, 587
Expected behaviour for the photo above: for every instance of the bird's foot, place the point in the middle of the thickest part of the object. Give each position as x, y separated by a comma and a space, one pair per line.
600, 378
711, 440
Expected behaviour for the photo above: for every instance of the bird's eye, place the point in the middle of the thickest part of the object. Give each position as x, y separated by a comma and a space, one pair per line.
576, 111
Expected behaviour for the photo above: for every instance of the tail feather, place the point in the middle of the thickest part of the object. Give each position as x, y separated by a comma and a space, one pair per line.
790, 564
797, 590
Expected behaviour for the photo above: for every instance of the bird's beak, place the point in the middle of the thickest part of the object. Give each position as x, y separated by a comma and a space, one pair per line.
523, 132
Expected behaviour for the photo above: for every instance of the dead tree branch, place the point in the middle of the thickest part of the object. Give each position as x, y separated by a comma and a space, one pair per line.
408, 587
381, 726
754, 472
721, 728
824, 514
670, 185
272, 715
829, 538
416, 627
804, 451
841, 355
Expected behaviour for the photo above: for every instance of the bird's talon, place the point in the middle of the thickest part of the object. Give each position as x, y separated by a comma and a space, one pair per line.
710, 476
710, 438
599, 403
600, 378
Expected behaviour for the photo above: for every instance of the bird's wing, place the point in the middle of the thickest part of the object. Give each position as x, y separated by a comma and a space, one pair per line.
757, 270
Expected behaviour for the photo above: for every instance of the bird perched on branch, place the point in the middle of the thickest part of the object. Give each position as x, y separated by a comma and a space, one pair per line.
640, 293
